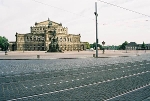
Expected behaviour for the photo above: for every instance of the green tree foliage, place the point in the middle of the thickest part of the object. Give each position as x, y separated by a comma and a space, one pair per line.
143, 46
123, 46
3, 43
94, 45
87, 45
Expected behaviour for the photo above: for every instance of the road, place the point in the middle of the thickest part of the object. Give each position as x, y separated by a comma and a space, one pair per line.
94, 79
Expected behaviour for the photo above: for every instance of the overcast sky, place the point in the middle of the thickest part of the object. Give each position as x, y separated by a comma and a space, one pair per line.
115, 25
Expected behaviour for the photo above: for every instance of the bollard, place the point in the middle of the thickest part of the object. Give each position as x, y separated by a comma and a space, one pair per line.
93, 55
38, 56
5, 52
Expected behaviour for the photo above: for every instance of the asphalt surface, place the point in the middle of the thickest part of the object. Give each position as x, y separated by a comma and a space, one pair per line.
88, 79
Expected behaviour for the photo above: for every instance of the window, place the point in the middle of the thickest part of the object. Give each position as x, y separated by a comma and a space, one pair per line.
64, 39
68, 39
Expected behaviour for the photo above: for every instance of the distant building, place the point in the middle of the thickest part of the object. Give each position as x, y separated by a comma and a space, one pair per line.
135, 46
40, 36
131, 46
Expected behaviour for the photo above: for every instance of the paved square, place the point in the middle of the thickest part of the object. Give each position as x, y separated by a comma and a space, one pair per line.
96, 79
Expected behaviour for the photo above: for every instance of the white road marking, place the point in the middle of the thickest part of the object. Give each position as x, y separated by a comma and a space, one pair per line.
89, 85
127, 92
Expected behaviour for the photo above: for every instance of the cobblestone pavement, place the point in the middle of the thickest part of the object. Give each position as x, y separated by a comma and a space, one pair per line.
94, 79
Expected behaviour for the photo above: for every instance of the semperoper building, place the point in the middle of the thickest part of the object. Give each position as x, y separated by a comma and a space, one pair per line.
40, 36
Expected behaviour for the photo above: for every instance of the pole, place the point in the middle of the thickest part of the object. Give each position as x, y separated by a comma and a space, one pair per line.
96, 29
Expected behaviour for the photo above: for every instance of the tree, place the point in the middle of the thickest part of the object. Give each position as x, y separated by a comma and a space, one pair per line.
94, 45
3, 43
87, 45
123, 46
143, 46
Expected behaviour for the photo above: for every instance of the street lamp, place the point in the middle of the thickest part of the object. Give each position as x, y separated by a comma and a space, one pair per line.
103, 43
137, 49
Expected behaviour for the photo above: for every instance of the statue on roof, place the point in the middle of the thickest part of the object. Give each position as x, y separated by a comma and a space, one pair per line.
49, 24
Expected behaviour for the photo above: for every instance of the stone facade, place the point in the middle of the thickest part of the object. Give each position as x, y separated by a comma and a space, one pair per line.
40, 37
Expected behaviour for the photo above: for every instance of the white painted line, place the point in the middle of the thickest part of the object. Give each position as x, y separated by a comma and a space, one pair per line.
67, 81
127, 92
40, 94
45, 93
75, 87
35, 95
90, 85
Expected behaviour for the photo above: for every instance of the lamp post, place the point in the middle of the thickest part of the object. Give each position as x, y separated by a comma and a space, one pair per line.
96, 14
103, 43
137, 49
126, 48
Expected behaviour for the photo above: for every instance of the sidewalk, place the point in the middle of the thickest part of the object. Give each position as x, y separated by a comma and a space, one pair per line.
69, 55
